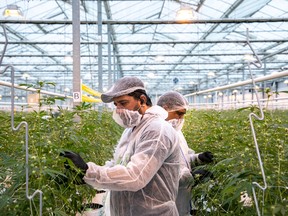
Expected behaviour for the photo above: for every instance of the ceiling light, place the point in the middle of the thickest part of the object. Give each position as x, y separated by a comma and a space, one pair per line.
12, 11
249, 58
25, 76
151, 75
159, 58
66, 89
192, 83
68, 58
286, 81
211, 74
185, 13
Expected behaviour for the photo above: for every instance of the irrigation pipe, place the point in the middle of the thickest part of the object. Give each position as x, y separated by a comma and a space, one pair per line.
33, 89
24, 123
246, 82
243, 101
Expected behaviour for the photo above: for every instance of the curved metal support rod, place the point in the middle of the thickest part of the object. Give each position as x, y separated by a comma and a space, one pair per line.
24, 123
258, 64
254, 134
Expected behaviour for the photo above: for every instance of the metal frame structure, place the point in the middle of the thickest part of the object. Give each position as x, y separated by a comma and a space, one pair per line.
125, 38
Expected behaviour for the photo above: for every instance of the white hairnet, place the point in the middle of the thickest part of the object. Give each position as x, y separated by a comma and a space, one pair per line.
173, 101
121, 87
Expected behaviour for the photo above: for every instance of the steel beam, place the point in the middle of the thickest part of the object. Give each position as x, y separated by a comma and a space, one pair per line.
147, 22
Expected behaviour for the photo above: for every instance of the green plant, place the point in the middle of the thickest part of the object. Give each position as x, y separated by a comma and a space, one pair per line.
49, 134
93, 134
228, 135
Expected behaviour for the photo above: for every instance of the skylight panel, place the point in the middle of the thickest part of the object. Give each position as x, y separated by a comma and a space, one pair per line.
211, 12
214, 9
248, 8
269, 11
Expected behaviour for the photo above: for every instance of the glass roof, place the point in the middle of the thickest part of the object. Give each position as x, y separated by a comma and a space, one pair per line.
143, 39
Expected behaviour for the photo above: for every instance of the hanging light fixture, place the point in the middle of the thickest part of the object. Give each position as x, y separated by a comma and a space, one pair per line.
249, 58
25, 76
68, 58
211, 74
12, 11
185, 13
151, 75
159, 58
66, 89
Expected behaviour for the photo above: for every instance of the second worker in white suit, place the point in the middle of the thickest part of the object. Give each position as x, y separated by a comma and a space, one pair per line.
176, 105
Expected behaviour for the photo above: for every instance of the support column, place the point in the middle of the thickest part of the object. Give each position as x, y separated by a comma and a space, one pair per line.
100, 66
77, 97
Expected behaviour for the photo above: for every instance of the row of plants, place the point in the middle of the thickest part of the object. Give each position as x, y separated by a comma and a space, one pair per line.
94, 134
90, 133
228, 135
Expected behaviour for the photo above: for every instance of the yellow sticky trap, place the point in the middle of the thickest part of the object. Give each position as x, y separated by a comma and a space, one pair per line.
90, 91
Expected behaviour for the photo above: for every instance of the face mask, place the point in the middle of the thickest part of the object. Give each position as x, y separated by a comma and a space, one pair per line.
126, 118
177, 124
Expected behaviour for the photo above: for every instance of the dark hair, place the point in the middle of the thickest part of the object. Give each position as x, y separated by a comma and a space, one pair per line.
137, 94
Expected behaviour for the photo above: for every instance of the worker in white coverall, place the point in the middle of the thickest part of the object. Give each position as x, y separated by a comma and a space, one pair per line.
176, 105
143, 176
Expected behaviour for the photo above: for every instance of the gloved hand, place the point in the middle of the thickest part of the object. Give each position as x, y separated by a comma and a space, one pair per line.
201, 175
206, 157
76, 159
69, 175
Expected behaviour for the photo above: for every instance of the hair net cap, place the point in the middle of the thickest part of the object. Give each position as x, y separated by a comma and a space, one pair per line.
172, 101
123, 86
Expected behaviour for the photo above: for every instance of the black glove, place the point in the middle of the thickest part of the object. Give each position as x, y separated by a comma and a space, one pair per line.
76, 159
206, 157
201, 176
70, 175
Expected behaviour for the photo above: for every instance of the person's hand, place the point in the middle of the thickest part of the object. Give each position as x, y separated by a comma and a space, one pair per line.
76, 159
206, 157
69, 175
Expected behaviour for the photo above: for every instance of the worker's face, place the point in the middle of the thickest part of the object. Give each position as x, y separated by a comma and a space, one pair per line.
127, 102
128, 112
178, 114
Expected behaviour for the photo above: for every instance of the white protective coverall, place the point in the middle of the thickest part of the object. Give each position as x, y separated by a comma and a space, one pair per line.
184, 193
143, 177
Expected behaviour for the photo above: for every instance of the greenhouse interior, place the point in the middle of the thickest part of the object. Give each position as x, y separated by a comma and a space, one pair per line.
228, 59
